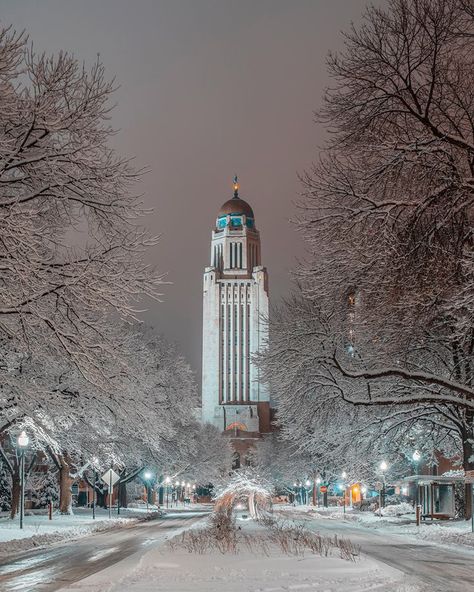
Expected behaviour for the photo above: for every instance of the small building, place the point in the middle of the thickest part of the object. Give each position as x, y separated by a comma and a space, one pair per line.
435, 494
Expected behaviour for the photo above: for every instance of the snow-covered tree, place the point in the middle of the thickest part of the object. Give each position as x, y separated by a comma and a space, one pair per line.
328, 420
45, 488
71, 244
387, 215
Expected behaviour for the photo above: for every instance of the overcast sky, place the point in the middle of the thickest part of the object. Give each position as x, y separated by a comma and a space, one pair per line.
208, 88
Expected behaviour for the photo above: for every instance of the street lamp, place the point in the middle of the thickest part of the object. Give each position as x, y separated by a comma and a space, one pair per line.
167, 481
383, 468
344, 476
23, 442
308, 486
416, 459
94, 463
147, 476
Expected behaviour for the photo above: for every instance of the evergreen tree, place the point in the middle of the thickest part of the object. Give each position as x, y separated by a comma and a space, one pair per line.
47, 489
5, 488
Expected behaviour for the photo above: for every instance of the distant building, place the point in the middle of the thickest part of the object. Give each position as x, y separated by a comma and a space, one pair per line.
235, 306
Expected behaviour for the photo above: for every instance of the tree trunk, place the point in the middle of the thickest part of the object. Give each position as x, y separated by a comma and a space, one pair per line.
468, 452
101, 499
65, 486
122, 495
15, 497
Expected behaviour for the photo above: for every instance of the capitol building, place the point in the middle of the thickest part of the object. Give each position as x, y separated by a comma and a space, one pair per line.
235, 309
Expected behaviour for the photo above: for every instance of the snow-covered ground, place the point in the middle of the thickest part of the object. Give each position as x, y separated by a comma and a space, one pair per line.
447, 532
39, 531
174, 569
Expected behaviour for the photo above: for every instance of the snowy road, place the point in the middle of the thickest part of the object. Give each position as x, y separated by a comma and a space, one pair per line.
437, 567
50, 569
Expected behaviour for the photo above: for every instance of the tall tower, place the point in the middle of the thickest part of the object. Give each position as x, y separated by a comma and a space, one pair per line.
235, 307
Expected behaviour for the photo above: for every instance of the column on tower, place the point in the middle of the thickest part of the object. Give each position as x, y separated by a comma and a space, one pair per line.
225, 368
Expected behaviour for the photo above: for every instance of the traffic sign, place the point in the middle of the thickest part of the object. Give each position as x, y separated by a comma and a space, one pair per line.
110, 477
323, 489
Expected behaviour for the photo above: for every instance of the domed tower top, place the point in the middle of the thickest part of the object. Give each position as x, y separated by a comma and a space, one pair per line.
235, 212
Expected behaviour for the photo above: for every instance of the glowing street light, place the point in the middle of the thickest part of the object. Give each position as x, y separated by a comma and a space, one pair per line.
147, 477
23, 442
383, 468
343, 488
416, 459
168, 483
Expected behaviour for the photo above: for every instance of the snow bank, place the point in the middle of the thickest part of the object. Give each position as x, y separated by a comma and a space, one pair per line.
397, 509
140, 505
454, 533
41, 532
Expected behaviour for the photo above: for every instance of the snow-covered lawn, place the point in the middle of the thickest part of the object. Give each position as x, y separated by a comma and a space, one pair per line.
38, 531
174, 569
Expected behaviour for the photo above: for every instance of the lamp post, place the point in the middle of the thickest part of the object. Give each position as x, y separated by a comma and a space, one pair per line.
318, 483
307, 490
183, 491
344, 476
94, 463
416, 460
147, 476
23, 442
383, 468
167, 481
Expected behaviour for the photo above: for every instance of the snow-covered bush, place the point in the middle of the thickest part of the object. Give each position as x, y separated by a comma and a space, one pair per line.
398, 510
245, 488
